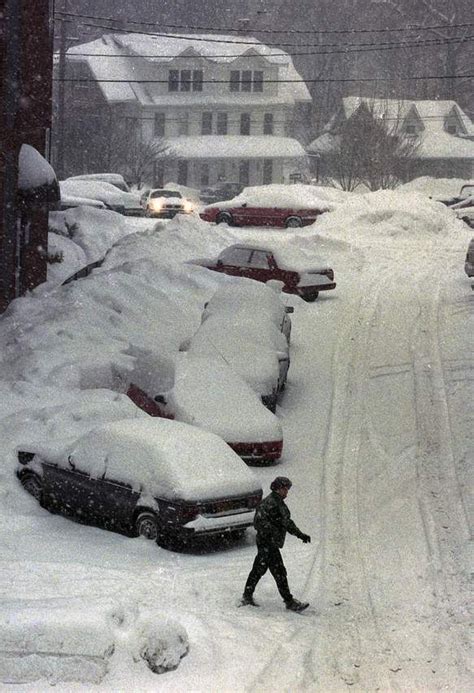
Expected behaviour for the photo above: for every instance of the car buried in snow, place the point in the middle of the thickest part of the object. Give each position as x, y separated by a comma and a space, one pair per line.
264, 263
283, 206
163, 480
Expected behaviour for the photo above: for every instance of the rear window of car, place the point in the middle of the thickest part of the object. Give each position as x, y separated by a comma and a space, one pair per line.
165, 193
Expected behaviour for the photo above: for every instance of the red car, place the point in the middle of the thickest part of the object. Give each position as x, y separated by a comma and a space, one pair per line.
263, 264
270, 205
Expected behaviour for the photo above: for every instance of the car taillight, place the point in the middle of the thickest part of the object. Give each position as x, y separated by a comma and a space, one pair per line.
253, 501
188, 512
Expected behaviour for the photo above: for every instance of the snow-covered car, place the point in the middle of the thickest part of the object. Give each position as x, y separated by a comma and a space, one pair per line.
464, 210
71, 201
208, 394
269, 205
151, 477
253, 299
165, 204
256, 364
469, 263
220, 191
265, 263
115, 179
111, 196
467, 190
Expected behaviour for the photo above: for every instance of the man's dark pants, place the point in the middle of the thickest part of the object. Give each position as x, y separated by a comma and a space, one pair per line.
268, 558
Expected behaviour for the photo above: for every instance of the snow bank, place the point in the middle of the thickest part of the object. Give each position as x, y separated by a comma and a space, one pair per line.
73, 258
51, 643
434, 187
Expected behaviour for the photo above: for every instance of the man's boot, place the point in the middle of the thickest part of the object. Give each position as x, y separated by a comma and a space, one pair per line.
248, 600
295, 605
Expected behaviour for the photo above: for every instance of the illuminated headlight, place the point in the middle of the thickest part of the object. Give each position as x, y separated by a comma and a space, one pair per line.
156, 205
188, 206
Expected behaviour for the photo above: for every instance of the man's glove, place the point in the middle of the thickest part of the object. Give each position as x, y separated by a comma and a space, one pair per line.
305, 538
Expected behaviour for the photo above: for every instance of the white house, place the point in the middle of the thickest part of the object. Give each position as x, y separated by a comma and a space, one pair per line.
444, 132
225, 105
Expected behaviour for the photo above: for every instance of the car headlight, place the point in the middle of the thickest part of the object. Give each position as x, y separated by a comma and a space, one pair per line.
188, 206
156, 205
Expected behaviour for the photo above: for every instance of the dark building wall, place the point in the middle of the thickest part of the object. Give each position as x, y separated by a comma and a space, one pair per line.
25, 118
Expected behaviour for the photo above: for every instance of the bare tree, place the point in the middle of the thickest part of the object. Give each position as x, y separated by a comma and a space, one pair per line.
135, 158
372, 148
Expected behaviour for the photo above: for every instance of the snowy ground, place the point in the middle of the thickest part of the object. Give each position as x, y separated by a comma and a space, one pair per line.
377, 422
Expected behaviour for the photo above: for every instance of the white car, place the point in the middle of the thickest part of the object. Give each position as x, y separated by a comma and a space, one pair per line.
165, 204
150, 477
111, 196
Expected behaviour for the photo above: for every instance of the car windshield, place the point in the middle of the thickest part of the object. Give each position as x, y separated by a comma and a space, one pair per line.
165, 193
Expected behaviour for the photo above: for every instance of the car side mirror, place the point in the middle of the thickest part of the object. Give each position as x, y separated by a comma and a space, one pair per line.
160, 399
219, 263
71, 463
244, 204
289, 309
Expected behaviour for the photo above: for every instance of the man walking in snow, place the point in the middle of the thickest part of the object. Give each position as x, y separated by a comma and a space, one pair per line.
272, 521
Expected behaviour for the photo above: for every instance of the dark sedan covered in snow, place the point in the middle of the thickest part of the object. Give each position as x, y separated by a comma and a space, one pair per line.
265, 263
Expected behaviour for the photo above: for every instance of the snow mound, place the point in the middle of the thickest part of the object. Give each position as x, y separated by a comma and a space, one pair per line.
33, 169
386, 214
433, 187
73, 258
78, 643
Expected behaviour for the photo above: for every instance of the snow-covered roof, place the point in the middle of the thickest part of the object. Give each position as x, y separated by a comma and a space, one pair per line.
114, 56
235, 146
435, 141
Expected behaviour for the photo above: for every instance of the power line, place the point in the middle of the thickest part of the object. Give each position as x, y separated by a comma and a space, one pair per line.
411, 27
201, 39
375, 47
274, 81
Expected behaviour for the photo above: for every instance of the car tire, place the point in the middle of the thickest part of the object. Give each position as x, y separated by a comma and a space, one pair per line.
224, 218
33, 485
146, 525
309, 298
293, 223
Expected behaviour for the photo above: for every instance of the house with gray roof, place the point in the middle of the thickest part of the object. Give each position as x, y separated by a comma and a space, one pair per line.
226, 108
444, 133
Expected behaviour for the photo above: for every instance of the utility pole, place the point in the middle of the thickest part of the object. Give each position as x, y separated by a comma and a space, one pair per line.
60, 138
10, 146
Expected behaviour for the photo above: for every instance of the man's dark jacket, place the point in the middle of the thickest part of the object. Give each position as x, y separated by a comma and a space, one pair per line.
273, 520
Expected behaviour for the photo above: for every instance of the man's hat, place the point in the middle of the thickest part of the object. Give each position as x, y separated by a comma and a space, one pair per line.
280, 482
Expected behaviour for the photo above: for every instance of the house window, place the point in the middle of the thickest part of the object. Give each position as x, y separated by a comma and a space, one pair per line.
234, 83
258, 80
204, 175
173, 80
206, 124
268, 124
246, 80
410, 129
451, 129
244, 172
221, 171
182, 172
197, 80
185, 80
245, 123
183, 124
222, 123
159, 128
267, 171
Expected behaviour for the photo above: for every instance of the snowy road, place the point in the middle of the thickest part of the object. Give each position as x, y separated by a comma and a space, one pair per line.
377, 431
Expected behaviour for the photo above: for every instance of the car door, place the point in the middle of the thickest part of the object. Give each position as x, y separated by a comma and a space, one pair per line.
259, 266
69, 490
115, 505
236, 262
288, 277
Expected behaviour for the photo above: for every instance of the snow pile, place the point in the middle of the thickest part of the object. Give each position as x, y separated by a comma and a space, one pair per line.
298, 196
33, 169
388, 214
99, 190
434, 187
53, 643
73, 258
